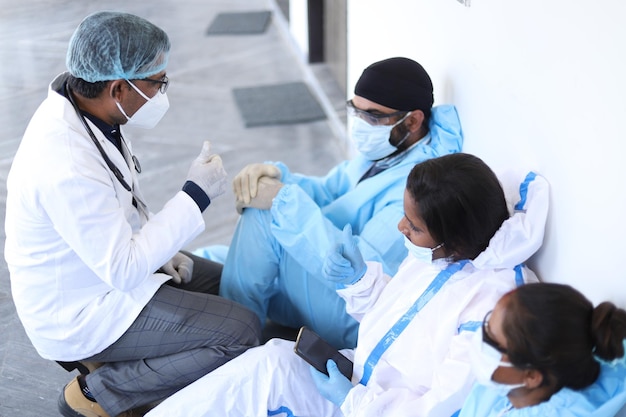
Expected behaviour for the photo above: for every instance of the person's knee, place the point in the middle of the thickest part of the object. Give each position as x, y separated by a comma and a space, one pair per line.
255, 221
280, 348
249, 333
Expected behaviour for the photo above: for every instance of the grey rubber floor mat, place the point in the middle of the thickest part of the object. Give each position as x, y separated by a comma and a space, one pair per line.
240, 23
277, 104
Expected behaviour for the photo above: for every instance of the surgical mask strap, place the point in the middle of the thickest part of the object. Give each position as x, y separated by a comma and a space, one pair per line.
401, 120
407, 133
437, 247
420, 253
138, 90
119, 106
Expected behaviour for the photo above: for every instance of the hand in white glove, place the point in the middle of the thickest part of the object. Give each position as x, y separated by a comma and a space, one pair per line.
180, 268
208, 173
267, 188
245, 184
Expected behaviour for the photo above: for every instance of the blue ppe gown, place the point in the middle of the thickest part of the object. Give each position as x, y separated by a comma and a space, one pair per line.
274, 262
604, 398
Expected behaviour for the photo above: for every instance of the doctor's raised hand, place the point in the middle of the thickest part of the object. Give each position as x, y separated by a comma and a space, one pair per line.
208, 173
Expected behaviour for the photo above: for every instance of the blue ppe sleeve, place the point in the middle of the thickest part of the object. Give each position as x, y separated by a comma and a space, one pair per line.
323, 190
301, 228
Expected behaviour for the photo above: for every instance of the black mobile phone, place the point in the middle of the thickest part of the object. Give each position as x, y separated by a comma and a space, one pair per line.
316, 351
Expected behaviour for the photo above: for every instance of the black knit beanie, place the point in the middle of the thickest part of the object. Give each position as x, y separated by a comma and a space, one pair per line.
398, 83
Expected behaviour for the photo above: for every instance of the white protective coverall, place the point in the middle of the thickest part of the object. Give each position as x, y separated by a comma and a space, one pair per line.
603, 398
425, 371
78, 252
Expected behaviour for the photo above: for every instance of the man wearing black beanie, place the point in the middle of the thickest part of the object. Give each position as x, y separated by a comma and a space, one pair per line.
290, 222
391, 109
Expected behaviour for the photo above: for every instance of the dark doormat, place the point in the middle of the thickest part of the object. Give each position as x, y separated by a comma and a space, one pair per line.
277, 104
243, 23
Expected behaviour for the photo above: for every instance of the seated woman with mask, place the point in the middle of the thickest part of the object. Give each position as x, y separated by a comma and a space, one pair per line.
544, 352
415, 333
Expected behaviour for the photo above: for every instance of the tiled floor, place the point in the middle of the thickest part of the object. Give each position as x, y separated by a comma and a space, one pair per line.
203, 71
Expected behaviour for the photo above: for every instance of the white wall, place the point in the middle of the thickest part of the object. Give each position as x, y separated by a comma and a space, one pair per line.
539, 85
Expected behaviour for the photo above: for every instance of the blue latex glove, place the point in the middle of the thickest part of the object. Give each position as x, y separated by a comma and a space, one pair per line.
335, 386
345, 264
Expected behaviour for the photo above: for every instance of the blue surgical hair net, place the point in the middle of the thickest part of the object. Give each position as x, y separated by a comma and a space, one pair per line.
114, 45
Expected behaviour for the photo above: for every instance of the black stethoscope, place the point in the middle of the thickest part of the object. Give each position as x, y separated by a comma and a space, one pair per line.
118, 174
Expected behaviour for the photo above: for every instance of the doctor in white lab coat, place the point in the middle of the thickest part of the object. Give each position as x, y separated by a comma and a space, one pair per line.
87, 260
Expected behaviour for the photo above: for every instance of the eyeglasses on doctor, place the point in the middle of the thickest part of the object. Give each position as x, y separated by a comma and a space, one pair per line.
488, 339
374, 119
165, 82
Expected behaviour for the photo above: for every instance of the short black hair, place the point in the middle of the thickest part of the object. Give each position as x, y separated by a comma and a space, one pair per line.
85, 88
460, 200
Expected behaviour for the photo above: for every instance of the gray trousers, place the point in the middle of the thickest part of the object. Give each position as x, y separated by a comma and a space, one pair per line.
182, 334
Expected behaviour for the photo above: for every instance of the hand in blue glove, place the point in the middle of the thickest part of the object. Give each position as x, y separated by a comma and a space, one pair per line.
335, 386
345, 265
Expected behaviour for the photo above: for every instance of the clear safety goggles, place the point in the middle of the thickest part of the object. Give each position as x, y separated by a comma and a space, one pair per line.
373, 119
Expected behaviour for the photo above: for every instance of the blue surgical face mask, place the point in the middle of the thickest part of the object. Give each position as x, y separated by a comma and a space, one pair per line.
485, 359
373, 141
420, 253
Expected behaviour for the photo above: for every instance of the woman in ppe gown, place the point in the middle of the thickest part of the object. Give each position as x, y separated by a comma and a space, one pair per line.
546, 351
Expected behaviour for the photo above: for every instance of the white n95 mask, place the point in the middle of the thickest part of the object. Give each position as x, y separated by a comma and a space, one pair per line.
420, 253
373, 141
485, 359
150, 113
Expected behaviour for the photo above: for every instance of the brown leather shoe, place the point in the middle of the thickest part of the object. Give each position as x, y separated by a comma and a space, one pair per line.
72, 403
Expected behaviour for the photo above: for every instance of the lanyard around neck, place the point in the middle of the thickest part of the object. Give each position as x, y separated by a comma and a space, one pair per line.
402, 323
118, 174
137, 202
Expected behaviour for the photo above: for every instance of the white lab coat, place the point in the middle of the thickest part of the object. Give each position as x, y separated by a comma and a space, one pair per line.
81, 257
425, 372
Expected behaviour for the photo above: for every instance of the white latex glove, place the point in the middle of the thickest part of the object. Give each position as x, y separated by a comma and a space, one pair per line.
267, 188
208, 173
180, 268
245, 184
